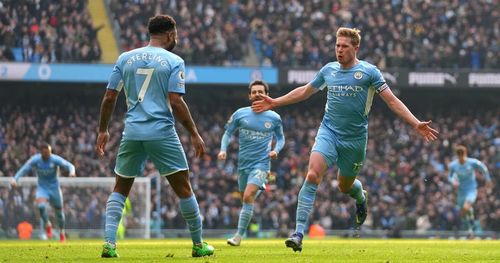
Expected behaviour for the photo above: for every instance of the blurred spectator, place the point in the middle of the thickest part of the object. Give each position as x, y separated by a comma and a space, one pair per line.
211, 32
415, 34
48, 31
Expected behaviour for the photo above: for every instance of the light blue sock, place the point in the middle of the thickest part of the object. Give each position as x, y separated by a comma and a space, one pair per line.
114, 209
356, 192
191, 213
245, 217
305, 204
42, 207
61, 220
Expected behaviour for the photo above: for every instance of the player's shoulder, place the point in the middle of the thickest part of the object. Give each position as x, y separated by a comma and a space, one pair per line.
56, 157
334, 65
453, 163
473, 160
36, 157
367, 65
273, 114
172, 58
243, 110
127, 54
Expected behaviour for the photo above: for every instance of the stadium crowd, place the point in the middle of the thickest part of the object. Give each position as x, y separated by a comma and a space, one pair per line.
210, 32
406, 178
47, 32
396, 33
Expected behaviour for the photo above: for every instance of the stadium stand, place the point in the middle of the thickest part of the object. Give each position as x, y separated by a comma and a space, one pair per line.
278, 33
47, 32
415, 34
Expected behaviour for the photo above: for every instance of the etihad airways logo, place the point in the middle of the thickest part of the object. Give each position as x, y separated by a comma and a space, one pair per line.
344, 90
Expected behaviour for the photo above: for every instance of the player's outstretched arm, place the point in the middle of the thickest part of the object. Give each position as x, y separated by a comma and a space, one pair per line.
224, 142
182, 114
107, 107
298, 94
67, 165
423, 128
22, 172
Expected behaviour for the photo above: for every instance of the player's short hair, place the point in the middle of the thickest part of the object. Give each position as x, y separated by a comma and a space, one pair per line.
352, 33
45, 145
258, 82
460, 150
161, 24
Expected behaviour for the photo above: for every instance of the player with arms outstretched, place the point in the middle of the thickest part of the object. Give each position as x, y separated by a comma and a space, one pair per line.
256, 132
342, 136
152, 78
46, 166
461, 173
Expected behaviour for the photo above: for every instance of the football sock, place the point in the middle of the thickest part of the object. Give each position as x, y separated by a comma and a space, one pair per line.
42, 207
60, 218
470, 218
305, 204
245, 217
356, 192
191, 213
114, 209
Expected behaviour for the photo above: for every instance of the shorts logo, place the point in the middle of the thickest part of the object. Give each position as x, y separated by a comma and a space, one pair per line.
267, 125
358, 75
357, 166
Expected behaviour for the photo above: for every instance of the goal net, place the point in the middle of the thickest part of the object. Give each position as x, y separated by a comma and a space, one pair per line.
84, 207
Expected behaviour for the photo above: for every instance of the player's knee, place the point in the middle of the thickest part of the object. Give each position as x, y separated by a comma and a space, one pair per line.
248, 197
313, 177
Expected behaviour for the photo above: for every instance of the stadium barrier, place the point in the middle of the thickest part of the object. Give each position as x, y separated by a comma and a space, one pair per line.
99, 73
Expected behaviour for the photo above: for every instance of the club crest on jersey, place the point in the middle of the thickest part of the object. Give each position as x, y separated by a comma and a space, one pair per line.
51, 165
358, 75
267, 125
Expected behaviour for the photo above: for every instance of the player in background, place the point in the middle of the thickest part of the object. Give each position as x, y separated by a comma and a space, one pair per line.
342, 136
463, 177
152, 78
256, 132
46, 167
122, 226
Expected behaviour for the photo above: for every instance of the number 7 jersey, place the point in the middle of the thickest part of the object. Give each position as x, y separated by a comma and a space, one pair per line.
146, 76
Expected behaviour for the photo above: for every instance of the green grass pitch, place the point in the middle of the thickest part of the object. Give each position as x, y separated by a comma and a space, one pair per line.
257, 250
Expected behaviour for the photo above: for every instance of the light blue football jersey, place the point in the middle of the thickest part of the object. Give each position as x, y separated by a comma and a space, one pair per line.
256, 131
465, 173
349, 97
147, 75
46, 171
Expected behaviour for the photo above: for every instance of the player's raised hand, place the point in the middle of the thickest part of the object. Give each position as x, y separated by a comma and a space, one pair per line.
199, 145
222, 156
102, 139
273, 155
426, 131
263, 103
